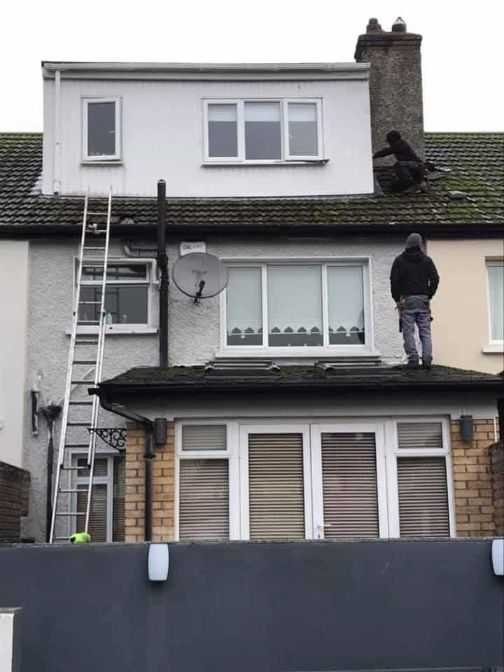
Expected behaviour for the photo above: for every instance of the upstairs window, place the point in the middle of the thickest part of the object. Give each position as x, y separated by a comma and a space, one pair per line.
101, 129
262, 131
496, 300
297, 305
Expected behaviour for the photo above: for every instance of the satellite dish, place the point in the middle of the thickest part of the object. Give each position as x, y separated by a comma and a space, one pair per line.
200, 275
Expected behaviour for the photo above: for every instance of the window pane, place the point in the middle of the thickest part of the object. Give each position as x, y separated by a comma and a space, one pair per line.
346, 305
263, 138
423, 497
100, 467
124, 304
222, 131
349, 485
496, 280
303, 129
98, 513
101, 129
204, 437
244, 307
115, 272
276, 486
204, 499
294, 306
420, 435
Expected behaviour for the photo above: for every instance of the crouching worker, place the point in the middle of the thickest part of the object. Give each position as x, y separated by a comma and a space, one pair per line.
413, 282
409, 168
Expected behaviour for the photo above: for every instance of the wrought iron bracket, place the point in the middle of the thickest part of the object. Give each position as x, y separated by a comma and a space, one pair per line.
115, 437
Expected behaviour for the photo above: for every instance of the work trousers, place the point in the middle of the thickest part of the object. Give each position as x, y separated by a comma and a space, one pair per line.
415, 311
408, 173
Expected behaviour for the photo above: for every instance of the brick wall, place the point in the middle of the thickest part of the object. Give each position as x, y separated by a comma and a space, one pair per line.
14, 489
497, 461
472, 477
163, 487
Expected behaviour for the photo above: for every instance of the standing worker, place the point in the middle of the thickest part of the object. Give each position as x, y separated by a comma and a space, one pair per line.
413, 282
409, 168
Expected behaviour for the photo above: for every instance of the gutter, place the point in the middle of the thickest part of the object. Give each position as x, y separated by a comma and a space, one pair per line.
149, 428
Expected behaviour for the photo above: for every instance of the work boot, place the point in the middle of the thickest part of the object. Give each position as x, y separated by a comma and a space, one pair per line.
427, 364
412, 364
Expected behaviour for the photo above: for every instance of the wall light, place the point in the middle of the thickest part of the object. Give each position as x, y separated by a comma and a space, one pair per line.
466, 427
498, 557
158, 562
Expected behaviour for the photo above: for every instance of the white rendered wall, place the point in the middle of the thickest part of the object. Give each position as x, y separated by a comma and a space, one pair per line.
13, 300
162, 137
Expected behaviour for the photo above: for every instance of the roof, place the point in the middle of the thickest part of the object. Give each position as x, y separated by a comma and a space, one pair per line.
199, 379
475, 161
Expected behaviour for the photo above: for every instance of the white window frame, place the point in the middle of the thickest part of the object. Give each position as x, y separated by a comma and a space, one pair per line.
393, 452
108, 480
368, 347
286, 157
150, 282
387, 453
118, 134
493, 343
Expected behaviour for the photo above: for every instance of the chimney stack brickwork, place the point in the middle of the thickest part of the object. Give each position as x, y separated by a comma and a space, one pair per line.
395, 83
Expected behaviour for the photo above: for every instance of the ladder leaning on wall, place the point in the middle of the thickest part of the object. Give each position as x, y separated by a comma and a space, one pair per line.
85, 358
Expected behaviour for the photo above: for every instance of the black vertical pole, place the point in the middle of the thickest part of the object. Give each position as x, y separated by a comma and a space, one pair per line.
163, 275
148, 457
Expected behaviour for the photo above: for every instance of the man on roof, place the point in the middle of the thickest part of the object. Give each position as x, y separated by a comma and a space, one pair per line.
409, 168
413, 282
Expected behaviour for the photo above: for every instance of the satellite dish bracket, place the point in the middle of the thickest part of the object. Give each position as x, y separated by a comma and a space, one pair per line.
198, 294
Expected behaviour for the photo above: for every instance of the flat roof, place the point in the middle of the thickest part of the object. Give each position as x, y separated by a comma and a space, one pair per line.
243, 71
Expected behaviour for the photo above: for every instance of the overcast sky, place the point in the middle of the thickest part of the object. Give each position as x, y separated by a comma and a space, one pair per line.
462, 47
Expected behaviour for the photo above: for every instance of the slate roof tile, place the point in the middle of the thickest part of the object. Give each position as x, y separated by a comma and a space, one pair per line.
476, 161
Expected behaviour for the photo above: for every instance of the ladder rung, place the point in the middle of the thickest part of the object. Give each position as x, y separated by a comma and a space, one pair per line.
82, 382
81, 403
74, 468
78, 424
76, 445
85, 323
70, 491
86, 342
94, 247
103, 213
61, 539
84, 361
89, 303
70, 513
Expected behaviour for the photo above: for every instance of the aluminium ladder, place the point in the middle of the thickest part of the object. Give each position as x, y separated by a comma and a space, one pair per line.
85, 357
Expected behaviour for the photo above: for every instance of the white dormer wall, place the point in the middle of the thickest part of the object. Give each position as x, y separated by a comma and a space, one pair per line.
162, 127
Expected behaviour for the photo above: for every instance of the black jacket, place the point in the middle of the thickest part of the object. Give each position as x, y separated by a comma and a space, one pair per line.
400, 149
413, 272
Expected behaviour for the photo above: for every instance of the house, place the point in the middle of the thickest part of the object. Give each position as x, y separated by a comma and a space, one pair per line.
284, 411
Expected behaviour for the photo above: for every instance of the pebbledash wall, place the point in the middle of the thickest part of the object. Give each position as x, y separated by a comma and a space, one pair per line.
478, 478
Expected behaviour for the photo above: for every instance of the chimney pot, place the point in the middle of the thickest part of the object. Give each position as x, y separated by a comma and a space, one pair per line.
399, 25
373, 26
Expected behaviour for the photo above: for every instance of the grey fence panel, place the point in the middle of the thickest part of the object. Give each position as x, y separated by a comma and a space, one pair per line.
264, 607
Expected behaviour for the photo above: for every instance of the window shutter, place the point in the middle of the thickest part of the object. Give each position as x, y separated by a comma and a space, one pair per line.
276, 487
204, 437
98, 517
204, 499
423, 497
422, 435
349, 485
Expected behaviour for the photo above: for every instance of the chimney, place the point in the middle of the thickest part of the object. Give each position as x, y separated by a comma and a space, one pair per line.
395, 82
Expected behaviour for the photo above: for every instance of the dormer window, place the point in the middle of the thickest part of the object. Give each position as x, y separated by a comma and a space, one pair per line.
101, 129
263, 131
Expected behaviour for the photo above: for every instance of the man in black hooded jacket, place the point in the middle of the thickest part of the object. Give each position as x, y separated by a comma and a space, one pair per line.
413, 282
409, 168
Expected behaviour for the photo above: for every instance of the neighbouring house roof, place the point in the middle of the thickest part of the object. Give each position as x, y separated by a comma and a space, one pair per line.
475, 160
200, 379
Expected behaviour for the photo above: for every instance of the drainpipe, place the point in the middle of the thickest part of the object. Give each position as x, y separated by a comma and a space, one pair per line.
148, 426
163, 275
57, 132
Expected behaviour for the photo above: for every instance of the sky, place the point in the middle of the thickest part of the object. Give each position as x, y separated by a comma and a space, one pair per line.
462, 51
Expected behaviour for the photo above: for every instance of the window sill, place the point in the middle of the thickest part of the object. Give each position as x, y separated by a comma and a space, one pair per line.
102, 162
493, 349
304, 352
117, 330
294, 162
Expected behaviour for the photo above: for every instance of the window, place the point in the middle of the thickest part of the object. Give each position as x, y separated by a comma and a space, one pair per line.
127, 295
294, 481
101, 129
263, 130
495, 271
297, 305
106, 521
